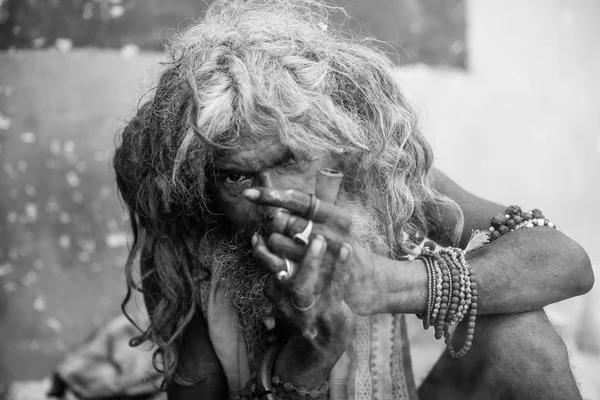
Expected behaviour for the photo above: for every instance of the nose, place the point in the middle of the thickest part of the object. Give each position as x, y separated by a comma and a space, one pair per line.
268, 179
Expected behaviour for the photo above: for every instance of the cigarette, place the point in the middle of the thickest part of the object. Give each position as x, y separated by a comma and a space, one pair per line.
328, 184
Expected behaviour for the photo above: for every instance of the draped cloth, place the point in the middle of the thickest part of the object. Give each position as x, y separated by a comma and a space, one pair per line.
376, 366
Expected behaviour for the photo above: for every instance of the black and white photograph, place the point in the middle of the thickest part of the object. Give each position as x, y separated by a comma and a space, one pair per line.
299, 199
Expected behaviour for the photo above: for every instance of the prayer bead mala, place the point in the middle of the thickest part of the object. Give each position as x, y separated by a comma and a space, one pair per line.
302, 391
265, 385
427, 317
452, 291
515, 218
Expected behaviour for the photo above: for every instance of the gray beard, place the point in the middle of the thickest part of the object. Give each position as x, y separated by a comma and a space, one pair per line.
243, 280
229, 257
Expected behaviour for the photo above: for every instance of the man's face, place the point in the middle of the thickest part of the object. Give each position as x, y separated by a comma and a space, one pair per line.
251, 164
267, 164
264, 164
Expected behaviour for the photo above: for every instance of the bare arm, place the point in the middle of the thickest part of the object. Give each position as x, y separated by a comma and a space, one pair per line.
477, 211
537, 266
521, 271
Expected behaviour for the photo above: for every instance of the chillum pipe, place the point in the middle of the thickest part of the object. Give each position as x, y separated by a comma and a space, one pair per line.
328, 184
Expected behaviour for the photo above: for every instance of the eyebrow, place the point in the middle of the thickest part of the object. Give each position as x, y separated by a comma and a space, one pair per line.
279, 161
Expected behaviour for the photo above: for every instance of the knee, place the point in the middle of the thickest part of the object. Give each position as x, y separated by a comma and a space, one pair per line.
516, 356
522, 346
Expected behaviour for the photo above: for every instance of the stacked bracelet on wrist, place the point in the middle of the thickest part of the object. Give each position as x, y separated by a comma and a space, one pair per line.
452, 289
514, 218
452, 293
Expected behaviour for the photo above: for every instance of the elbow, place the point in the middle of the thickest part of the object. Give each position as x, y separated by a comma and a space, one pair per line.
574, 261
583, 271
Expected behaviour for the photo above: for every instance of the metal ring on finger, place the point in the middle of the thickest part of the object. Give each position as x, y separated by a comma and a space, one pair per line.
303, 237
311, 305
286, 274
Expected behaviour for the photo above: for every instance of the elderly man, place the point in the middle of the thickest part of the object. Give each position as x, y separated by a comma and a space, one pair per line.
259, 287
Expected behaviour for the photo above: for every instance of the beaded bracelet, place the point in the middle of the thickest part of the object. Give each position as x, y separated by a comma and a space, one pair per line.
248, 392
438, 291
302, 391
457, 258
452, 291
445, 297
515, 218
426, 317
262, 388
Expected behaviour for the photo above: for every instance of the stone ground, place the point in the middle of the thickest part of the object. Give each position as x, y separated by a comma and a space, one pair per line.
63, 242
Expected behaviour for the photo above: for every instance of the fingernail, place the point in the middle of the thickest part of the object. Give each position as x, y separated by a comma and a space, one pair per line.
344, 253
319, 242
251, 194
254, 239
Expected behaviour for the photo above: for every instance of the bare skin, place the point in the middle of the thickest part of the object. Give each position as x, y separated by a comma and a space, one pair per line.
520, 272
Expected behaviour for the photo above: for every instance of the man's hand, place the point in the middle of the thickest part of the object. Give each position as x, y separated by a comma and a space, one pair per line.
317, 308
312, 296
287, 212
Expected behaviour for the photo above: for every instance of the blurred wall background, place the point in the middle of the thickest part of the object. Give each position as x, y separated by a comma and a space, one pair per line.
509, 99
429, 31
522, 126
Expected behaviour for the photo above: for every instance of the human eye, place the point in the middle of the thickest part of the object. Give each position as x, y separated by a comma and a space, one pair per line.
236, 179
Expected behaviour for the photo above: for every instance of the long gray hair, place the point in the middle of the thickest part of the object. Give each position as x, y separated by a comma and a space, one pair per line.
247, 69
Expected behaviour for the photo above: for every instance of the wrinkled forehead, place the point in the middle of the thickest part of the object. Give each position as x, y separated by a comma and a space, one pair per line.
249, 153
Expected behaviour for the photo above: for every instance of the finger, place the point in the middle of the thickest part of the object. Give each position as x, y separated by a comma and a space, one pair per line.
261, 252
341, 272
282, 221
291, 225
279, 296
297, 202
285, 247
305, 296
275, 292
326, 271
309, 272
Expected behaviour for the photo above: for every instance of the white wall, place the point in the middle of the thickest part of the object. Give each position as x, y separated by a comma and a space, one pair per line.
522, 126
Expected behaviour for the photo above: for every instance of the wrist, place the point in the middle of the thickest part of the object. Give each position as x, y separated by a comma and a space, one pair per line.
363, 294
401, 286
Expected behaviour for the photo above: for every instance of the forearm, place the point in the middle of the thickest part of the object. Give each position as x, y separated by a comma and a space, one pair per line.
529, 269
521, 271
